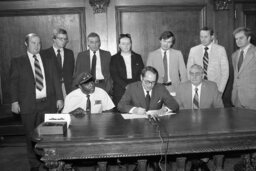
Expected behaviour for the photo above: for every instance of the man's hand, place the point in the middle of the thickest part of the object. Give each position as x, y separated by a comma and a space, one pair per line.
15, 107
162, 111
59, 104
139, 110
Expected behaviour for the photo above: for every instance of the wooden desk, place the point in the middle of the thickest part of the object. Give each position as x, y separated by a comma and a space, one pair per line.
108, 135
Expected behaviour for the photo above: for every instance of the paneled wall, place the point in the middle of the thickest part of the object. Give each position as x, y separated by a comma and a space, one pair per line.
143, 19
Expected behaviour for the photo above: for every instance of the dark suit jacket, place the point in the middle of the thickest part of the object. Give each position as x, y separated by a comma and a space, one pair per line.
83, 65
134, 97
119, 76
66, 72
210, 96
22, 85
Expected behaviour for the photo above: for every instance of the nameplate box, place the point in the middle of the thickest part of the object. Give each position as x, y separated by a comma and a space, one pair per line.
52, 128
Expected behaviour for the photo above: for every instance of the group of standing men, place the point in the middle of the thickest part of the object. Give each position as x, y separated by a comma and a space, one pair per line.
40, 80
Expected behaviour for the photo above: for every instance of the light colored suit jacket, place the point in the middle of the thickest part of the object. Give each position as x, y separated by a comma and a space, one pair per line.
218, 67
244, 86
177, 68
209, 98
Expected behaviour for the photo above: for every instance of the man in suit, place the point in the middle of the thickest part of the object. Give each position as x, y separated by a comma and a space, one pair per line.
35, 90
125, 67
146, 94
198, 93
207, 92
244, 62
63, 57
96, 61
212, 57
169, 62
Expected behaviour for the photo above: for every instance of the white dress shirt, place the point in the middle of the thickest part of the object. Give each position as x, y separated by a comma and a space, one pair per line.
168, 62
42, 93
99, 75
128, 64
61, 54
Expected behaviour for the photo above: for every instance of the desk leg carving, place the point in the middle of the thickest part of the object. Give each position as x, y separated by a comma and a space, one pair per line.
181, 163
218, 162
102, 165
142, 165
55, 165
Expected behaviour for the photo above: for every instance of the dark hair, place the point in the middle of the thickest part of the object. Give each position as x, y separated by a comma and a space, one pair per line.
246, 31
58, 31
151, 69
166, 35
205, 28
93, 34
29, 36
126, 36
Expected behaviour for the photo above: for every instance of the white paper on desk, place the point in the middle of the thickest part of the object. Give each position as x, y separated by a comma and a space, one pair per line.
133, 116
57, 117
150, 112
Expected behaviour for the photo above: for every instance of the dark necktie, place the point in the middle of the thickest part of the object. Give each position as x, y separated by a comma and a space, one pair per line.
59, 58
240, 61
165, 68
39, 78
205, 62
88, 104
147, 101
196, 99
93, 68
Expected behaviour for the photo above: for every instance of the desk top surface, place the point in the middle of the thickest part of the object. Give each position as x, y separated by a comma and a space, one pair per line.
186, 123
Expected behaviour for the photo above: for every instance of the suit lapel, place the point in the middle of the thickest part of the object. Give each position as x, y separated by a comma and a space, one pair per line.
203, 95
189, 95
248, 57
28, 67
141, 95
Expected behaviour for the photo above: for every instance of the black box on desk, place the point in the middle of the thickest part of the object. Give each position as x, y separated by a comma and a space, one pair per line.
52, 128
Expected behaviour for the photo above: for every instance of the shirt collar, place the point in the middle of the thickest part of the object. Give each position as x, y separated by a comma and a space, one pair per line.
31, 55
145, 91
245, 49
199, 86
92, 52
209, 47
56, 49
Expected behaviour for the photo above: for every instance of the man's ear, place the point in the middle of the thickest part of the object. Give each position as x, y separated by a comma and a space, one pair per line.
26, 44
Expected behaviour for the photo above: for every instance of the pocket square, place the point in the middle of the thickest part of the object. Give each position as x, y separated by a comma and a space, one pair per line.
97, 102
159, 101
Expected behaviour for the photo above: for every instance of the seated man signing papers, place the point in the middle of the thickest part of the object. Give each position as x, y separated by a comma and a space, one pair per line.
87, 97
146, 95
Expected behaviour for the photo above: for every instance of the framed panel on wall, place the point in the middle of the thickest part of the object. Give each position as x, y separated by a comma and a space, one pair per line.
15, 25
146, 23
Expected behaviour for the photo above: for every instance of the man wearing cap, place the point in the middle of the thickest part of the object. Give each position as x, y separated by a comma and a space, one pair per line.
87, 97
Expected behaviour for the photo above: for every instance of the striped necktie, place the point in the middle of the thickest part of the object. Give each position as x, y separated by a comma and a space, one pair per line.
205, 62
38, 74
196, 99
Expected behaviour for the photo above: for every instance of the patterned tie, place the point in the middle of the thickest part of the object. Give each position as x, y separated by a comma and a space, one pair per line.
147, 101
240, 61
38, 74
88, 104
59, 58
196, 99
93, 68
165, 68
205, 62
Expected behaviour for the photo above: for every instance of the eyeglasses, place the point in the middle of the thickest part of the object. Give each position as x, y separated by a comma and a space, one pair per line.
62, 39
125, 35
149, 82
196, 74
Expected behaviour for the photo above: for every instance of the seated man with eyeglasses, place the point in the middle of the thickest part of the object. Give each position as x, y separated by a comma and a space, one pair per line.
146, 94
87, 98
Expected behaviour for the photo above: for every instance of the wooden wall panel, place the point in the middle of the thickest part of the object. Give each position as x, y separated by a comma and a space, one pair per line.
145, 24
13, 29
